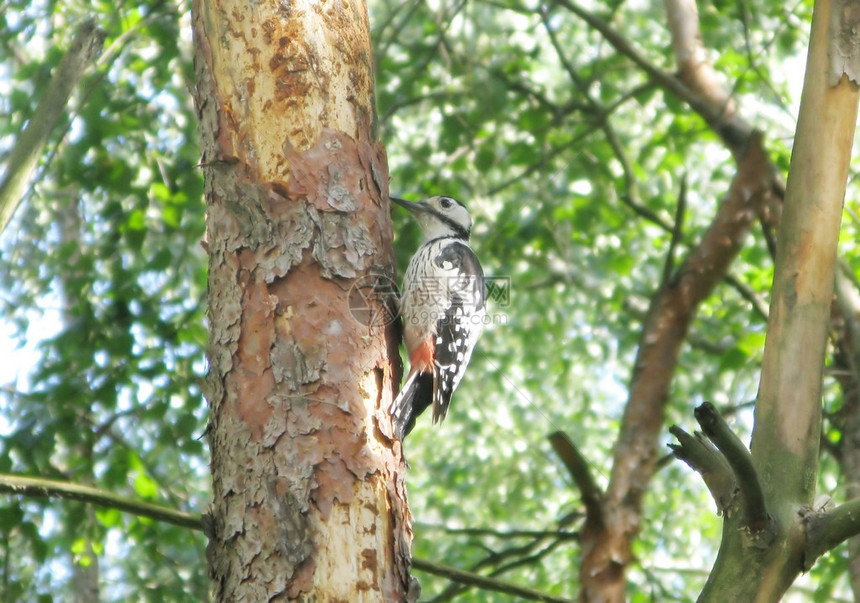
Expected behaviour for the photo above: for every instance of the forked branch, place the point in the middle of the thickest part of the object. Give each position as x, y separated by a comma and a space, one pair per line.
703, 457
738, 457
725, 466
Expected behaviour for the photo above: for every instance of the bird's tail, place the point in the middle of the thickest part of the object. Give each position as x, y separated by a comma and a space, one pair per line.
413, 399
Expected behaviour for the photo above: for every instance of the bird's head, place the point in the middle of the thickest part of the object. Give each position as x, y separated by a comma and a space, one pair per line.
440, 217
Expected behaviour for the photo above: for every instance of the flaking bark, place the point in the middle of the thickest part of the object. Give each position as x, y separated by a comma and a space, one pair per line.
309, 494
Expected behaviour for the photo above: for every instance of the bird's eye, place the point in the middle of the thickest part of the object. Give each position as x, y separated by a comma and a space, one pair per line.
446, 203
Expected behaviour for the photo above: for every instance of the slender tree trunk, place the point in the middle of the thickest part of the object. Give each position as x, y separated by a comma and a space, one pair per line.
609, 533
309, 495
823, 145
85, 565
788, 410
760, 564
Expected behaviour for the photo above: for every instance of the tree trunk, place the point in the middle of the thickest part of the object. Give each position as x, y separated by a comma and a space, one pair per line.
759, 565
607, 537
85, 564
309, 494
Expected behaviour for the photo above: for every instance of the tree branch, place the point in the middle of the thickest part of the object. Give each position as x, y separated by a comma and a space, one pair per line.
494, 584
696, 71
543, 161
747, 292
671, 312
48, 488
699, 75
631, 196
677, 232
559, 534
25, 154
577, 465
701, 455
756, 517
669, 317
504, 560
41, 488
734, 132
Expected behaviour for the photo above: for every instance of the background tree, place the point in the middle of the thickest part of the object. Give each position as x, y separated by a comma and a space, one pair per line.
598, 150
103, 274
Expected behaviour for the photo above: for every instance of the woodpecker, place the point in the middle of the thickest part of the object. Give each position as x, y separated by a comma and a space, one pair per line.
442, 304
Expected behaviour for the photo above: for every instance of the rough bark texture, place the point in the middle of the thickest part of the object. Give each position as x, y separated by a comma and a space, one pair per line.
309, 495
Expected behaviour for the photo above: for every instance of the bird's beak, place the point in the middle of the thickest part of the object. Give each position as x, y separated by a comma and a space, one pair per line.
410, 205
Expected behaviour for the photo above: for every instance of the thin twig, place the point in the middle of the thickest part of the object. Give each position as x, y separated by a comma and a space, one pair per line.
493, 584
735, 133
509, 556
677, 232
631, 196
749, 294
41, 488
500, 534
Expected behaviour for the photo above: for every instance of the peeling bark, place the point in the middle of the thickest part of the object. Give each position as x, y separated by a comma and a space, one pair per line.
843, 45
309, 493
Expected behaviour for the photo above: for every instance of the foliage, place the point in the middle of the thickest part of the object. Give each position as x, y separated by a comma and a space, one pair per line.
105, 256
572, 159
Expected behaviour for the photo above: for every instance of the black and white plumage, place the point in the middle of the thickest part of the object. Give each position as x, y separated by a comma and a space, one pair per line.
443, 303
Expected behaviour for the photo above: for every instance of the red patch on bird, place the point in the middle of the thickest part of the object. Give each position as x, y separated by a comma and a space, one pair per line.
421, 358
